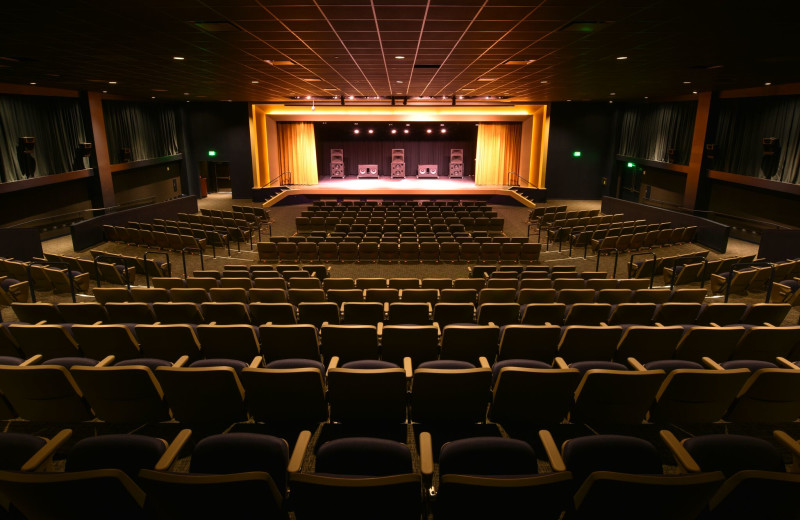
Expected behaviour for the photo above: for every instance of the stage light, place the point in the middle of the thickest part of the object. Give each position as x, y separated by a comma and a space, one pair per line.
212, 153
443, 130
370, 131
429, 131
576, 154
405, 131
393, 131
356, 131
631, 165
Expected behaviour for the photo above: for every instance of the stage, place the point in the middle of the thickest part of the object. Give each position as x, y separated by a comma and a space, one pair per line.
409, 186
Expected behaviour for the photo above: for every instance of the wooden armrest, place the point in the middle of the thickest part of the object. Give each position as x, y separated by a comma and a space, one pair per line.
408, 367
256, 363
484, 363
169, 456
426, 457
325, 324
786, 363
97, 323
334, 363
33, 360
385, 308
299, 452
710, 363
682, 457
560, 363
636, 365
106, 361
43, 456
551, 449
43, 322
182, 361
380, 329
792, 445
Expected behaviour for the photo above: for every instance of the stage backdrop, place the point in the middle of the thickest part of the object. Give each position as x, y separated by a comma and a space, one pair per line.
420, 147
296, 153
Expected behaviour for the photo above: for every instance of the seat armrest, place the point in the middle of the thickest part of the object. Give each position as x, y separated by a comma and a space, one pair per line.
169, 456
636, 365
551, 449
426, 458
685, 461
710, 363
298, 454
43, 456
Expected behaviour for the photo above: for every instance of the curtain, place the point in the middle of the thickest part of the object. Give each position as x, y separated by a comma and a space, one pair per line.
741, 126
497, 152
297, 153
149, 130
648, 131
57, 125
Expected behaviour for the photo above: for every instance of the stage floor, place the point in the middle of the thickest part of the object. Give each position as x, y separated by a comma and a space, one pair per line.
386, 183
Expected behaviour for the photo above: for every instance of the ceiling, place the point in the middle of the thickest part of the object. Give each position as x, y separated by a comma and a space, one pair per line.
273, 51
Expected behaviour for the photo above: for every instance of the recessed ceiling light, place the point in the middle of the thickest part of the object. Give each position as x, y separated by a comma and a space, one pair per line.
613, 94
569, 100
399, 57
487, 79
310, 79
105, 92
687, 82
622, 57
518, 62
393, 131
646, 97
543, 81
33, 83
179, 58
694, 92
405, 130
112, 82
356, 131
443, 130
254, 82
152, 97
370, 131
610, 101
185, 93
351, 97
428, 131
767, 84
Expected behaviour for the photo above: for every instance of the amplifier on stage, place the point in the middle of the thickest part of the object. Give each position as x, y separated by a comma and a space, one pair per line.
367, 171
337, 163
456, 163
398, 163
428, 171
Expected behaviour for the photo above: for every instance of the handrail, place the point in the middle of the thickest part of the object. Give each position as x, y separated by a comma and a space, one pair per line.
683, 260
279, 178
183, 256
116, 258
652, 271
147, 272
616, 259
79, 212
31, 282
751, 264
69, 275
516, 175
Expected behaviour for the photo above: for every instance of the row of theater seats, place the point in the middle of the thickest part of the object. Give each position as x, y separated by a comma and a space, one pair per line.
401, 204
722, 476
306, 225
175, 236
390, 342
365, 251
597, 227
243, 226
538, 212
755, 278
261, 213
399, 212
621, 241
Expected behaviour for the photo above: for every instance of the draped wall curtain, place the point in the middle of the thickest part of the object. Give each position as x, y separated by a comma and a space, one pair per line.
742, 125
649, 131
57, 125
149, 130
497, 152
297, 152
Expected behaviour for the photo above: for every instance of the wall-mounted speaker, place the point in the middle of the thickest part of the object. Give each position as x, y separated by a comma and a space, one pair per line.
711, 150
125, 155
84, 149
771, 145
27, 144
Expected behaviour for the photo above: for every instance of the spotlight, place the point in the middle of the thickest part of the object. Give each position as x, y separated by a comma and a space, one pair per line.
428, 131
443, 130
393, 131
405, 130
369, 131
356, 131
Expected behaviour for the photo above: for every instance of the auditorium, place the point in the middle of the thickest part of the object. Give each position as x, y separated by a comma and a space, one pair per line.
413, 260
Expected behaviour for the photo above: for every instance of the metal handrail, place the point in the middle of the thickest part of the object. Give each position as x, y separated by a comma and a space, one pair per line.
279, 178
616, 259
652, 271
514, 175
147, 273
183, 256
684, 260
751, 264
80, 212
116, 259
69, 275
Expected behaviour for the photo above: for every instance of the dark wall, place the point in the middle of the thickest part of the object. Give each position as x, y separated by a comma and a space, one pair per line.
43, 201
153, 183
665, 187
754, 203
224, 128
588, 128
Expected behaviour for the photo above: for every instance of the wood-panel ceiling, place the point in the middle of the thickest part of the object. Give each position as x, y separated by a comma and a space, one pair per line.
563, 49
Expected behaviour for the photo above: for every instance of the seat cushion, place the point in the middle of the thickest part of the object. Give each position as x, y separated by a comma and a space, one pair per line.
369, 364
446, 364
17, 448
363, 456
583, 366
751, 364
125, 452
68, 362
522, 363
488, 456
208, 363
239, 452
295, 363
151, 363
668, 365
620, 453
732, 453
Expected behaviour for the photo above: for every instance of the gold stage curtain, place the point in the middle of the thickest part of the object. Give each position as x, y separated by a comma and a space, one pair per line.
297, 152
497, 152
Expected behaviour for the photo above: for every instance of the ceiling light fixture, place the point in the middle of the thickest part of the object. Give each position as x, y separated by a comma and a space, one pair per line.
356, 131
178, 58
428, 131
33, 83
254, 82
405, 130
112, 82
393, 131
687, 82
443, 130
313, 107
767, 84
622, 57
399, 57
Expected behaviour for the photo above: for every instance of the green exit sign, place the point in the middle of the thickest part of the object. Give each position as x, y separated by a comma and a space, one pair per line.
576, 154
212, 153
